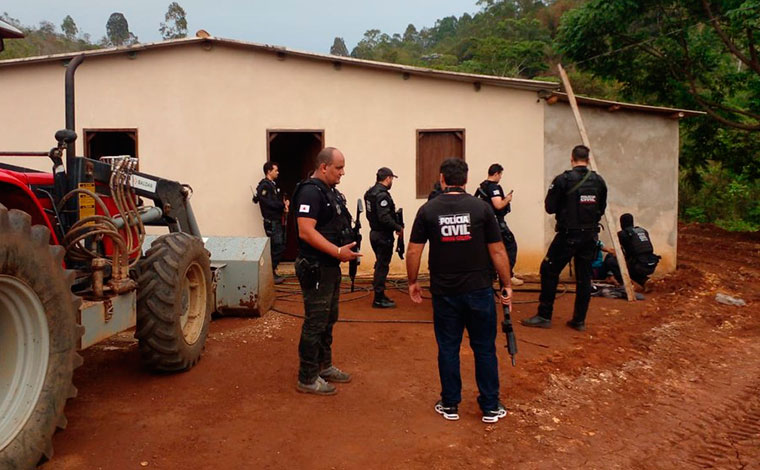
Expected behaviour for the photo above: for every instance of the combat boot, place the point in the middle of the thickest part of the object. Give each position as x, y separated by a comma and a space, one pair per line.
577, 325
537, 321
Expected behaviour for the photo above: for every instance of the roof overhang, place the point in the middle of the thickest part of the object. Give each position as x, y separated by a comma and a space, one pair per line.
283, 53
612, 106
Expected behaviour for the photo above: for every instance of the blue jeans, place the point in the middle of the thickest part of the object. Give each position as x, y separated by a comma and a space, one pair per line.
475, 311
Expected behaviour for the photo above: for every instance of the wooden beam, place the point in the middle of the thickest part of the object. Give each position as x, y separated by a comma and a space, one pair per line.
608, 216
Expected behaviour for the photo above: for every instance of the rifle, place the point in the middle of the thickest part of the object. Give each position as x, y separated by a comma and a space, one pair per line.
400, 248
506, 327
285, 213
354, 263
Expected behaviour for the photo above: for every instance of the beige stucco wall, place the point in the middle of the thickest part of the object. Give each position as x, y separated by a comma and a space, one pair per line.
202, 118
637, 154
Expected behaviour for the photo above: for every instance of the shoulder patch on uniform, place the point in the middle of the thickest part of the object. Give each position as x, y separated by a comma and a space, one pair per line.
263, 192
495, 192
383, 203
304, 208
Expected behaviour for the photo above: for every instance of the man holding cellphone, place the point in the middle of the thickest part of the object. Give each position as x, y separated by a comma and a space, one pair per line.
490, 191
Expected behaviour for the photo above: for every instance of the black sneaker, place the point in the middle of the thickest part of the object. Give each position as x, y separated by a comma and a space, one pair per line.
577, 325
494, 416
537, 322
450, 413
383, 302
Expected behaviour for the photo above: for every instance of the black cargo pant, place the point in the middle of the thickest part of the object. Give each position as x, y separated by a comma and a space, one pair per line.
511, 246
320, 301
382, 245
576, 244
276, 234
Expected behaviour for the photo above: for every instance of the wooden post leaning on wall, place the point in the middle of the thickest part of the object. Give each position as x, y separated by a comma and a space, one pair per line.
612, 225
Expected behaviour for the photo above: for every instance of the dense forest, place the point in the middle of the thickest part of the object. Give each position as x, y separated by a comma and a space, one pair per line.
695, 54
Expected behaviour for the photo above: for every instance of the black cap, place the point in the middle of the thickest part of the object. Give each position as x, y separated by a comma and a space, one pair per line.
626, 220
384, 172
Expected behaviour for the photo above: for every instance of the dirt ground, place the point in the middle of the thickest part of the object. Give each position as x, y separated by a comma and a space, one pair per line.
670, 382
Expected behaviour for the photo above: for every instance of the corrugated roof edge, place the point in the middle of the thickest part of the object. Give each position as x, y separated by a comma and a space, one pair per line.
612, 106
519, 83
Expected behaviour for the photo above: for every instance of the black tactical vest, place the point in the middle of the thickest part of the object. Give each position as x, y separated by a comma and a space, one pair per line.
581, 209
370, 202
640, 243
337, 230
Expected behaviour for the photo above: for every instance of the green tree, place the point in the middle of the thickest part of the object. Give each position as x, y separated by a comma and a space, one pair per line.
41, 40
689, 52
339, 47
117, 31
411, 34
69, 28
175, 26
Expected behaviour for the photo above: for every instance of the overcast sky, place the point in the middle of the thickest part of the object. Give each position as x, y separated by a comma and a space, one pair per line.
297, 24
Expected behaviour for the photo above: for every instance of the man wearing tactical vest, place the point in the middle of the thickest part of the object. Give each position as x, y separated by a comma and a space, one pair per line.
381, 214
325, 239
273, 206
491, 192
637, 249
578, 198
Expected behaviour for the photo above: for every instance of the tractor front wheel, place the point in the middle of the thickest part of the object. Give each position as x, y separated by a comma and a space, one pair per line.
38, 339
174, 302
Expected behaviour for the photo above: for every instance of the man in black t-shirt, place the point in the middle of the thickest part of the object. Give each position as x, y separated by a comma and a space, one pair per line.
325, 240
463, 235
578, 198
490, 191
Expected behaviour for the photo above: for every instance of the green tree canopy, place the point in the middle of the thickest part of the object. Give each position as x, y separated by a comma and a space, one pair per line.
175, 26
69, 28
117, 31
686, 52
339, 47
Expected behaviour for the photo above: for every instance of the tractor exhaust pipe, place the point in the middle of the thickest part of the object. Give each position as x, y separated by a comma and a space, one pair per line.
71, 68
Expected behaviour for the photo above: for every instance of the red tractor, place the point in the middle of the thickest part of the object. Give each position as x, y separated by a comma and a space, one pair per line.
73, 273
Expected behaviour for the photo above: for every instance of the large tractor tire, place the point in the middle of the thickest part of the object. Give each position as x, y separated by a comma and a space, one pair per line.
174, 302
38, 340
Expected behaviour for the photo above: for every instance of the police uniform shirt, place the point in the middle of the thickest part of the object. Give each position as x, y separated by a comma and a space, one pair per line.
493, 189
459, 228
382, 213
635, 242
313, 204
591, 199
270, 199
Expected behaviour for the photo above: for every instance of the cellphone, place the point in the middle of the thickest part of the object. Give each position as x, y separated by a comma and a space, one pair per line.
510, 192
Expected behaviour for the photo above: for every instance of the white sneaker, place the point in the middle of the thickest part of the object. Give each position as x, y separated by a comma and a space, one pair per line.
517, 282
494, 416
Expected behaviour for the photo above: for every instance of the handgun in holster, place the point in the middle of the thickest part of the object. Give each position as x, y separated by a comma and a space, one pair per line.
307, 272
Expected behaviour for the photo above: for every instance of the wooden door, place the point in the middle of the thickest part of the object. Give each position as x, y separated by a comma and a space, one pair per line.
433, 147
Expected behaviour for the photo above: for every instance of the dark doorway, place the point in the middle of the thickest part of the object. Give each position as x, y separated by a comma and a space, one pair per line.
110, 142
296, 154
